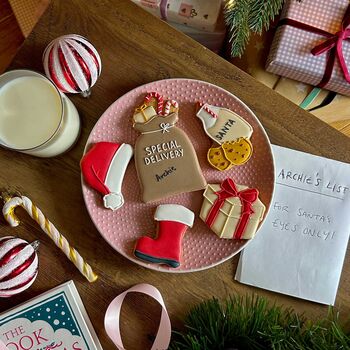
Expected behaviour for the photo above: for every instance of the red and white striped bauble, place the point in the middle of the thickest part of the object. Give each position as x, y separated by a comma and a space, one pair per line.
72, 63
18, 265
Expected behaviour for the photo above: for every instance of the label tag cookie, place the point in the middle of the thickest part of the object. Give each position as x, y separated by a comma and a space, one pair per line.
223, 125
165, 159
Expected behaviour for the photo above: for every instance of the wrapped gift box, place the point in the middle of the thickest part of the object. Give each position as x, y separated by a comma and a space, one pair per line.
337, 112
233, 211
211, 40
201, 14
290, 53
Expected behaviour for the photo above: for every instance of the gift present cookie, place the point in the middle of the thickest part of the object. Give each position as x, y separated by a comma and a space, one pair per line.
103, 168
232, 211
165, 159
143, 113
173, 221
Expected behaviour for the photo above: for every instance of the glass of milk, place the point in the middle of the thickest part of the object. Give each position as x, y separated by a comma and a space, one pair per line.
35, 118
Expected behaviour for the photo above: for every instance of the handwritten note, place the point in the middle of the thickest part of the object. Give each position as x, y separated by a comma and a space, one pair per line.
300, 248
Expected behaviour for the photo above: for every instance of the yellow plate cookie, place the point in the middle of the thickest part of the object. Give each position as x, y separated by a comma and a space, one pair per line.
238, 152
216, 158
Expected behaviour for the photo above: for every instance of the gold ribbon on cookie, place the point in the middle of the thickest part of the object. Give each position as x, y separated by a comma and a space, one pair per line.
141, 110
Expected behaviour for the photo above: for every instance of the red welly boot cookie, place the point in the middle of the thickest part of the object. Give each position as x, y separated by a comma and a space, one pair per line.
173, 220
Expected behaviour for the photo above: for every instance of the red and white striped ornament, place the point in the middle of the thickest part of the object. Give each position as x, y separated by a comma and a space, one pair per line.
72, 63
18, 265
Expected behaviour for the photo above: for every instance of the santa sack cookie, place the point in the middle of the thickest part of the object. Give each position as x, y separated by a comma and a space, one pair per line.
165, 159
103, 168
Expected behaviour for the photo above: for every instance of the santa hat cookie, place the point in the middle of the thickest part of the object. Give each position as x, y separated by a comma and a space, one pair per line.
103, 168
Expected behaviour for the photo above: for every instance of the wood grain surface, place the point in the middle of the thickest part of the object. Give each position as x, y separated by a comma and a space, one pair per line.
137, 48
11, 36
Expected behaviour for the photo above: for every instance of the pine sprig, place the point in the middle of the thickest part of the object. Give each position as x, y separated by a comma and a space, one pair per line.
237, 19
262, 13
243, 17
250, 323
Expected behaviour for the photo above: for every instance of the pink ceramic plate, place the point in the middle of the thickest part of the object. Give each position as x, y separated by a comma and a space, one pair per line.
201, 247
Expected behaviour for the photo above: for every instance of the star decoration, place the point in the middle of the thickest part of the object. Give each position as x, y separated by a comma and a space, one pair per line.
259, 45
301, 87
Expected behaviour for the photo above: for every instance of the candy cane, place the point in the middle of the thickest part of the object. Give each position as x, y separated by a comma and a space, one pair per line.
159, 99
207, 109
168, 104
48, 227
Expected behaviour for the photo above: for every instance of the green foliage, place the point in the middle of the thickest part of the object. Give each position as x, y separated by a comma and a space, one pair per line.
245, 16
262, 13
237, 19
249, 323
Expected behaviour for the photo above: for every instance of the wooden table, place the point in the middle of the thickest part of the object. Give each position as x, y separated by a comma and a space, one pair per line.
137, 48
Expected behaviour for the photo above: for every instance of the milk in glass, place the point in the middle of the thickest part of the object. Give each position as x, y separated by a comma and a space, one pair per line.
34, 117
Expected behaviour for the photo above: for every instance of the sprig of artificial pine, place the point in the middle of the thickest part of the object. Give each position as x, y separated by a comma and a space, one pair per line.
246, 16
250, 323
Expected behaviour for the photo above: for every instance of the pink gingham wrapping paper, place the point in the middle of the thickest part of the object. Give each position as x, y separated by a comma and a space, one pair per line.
290, 54
200, 14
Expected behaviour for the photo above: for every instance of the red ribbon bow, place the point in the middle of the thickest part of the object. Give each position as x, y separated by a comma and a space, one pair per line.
333, 45
247, 198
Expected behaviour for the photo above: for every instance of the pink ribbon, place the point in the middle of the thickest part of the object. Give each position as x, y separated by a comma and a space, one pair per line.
112, 318
164, 9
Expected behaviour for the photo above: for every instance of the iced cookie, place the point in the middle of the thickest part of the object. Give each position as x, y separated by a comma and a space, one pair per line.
165, 159
153, 105
103, 168
173, 221
217, 159
223, 125
238, 152
144, 113
232, 211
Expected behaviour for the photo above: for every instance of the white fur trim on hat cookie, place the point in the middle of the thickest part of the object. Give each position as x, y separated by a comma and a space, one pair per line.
117, 167
113, 201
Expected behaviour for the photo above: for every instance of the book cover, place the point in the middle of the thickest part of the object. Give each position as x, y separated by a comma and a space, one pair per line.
55, 319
